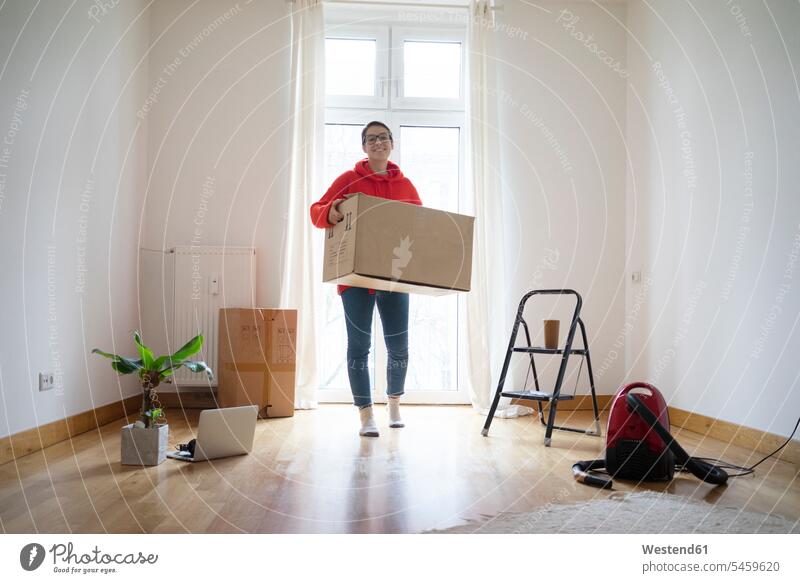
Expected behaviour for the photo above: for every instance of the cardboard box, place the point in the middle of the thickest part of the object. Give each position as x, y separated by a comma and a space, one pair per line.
257, 359
396, 246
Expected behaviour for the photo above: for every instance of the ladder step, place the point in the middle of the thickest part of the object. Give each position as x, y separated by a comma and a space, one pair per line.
540, 350
535, 396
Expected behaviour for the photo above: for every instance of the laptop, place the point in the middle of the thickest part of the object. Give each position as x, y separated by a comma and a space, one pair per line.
222, 433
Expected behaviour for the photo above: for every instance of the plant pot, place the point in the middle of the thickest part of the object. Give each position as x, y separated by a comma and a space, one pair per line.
144, 446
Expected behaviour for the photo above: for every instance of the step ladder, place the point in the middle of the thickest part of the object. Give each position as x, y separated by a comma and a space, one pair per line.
538, 395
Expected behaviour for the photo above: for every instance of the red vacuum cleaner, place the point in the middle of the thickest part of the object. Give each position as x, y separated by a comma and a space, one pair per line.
639, 446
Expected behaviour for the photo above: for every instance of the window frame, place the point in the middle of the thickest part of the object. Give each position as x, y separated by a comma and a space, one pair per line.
399, 35
380, 97
398, 111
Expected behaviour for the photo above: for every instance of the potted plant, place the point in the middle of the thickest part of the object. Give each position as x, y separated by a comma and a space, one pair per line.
145, 442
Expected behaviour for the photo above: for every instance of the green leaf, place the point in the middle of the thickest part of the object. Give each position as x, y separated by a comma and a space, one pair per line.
121, 364
198, 366
136, 364
192, 365
123, 367
158, 363
192, 347
166, 364
106, 354
144, 352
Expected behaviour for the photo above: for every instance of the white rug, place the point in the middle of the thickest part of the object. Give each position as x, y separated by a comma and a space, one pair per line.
636, 513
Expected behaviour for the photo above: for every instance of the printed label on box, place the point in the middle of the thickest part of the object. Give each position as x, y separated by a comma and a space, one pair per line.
283, 343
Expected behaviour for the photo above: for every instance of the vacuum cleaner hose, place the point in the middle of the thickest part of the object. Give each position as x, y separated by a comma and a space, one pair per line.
703, 470
580, 470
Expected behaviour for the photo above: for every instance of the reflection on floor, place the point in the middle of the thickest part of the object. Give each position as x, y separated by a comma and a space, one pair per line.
312, 473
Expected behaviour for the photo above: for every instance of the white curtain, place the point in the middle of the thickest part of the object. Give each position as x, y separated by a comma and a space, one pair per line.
488, 317
300, 286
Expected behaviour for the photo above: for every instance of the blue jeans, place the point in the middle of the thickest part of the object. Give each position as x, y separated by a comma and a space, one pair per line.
359, 305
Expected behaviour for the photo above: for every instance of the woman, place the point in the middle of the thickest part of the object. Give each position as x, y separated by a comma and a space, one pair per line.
376, 176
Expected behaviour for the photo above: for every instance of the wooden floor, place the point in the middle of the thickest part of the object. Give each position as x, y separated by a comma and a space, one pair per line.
312, 473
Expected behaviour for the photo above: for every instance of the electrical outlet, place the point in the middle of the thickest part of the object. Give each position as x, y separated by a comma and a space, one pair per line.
46, 381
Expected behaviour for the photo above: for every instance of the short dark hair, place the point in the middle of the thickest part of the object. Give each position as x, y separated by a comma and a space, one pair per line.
371, 124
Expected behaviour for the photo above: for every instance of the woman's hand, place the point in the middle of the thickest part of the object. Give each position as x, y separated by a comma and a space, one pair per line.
334, 216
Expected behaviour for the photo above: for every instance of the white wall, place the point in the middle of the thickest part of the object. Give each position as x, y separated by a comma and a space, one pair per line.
561, 94
714, 211
219, 119
715, 330
71, 180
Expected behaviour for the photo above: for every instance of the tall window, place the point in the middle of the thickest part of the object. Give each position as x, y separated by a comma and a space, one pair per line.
412, 79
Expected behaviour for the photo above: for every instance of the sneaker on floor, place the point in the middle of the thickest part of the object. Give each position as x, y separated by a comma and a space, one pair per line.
368, 427
393, 405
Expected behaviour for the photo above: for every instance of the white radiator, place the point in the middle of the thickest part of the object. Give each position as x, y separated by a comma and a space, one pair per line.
190, 285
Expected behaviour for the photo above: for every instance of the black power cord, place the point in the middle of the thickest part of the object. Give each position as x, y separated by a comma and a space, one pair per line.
745, 471
707, 469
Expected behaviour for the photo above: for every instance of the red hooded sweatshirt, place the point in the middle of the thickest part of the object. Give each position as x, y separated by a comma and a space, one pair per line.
392, 185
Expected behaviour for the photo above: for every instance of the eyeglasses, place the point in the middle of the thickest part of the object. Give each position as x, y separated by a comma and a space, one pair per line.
379, 138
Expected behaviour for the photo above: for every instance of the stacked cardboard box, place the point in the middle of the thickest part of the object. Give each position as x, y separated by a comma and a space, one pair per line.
257, 359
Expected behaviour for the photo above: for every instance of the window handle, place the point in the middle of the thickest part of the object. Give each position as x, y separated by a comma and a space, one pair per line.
397, 87
383, 86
